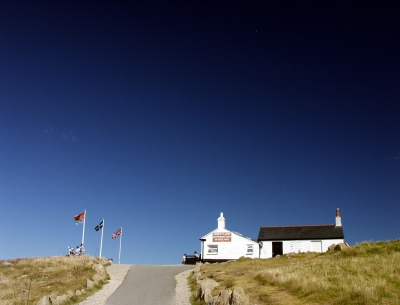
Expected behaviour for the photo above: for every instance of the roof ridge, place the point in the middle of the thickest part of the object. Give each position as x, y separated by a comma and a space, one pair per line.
323, 225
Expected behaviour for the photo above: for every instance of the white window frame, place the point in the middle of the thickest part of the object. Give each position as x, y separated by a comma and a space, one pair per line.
212, 250
250, 249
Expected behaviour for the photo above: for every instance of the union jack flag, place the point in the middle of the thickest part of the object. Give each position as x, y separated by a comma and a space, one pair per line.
117, 233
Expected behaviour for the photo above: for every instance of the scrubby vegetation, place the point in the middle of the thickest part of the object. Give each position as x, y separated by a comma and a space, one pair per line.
368, 273
26, 281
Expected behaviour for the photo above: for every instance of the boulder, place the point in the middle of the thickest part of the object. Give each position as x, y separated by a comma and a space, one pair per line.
212, 300
331, 247
238, 297
62, 298
53, 299
70, 294
97, 278
78, 292
7, 264
341, 246
223, 297
207, 296
44, 301
89, 283
99, 268
206, 285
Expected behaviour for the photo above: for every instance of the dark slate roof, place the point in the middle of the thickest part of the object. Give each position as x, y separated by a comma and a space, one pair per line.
301, 232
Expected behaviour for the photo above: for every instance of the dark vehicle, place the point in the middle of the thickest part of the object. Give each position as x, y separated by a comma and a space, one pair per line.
190, 260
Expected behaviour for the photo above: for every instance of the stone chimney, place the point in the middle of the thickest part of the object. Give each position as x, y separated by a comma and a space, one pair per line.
221, 221
338, 218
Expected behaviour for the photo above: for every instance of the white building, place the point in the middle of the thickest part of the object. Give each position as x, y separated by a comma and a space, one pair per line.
315, 238
223, 245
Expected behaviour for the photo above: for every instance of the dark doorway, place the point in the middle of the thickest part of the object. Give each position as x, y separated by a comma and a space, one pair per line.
277, 248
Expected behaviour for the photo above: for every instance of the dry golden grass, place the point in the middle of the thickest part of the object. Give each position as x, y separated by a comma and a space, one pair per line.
26, 281
368, 273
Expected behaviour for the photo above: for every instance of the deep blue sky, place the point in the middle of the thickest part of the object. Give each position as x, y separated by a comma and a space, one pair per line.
159, 116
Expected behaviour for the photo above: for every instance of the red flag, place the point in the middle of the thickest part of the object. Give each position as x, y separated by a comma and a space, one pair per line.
79, 218
117, 233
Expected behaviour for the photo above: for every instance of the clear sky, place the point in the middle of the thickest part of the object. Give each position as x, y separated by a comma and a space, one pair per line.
159, 116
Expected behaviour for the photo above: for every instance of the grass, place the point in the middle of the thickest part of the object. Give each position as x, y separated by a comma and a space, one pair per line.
26, 281
368, 273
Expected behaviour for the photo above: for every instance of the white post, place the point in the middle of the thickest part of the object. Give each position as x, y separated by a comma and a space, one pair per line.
83, 230
120, 241
101, 240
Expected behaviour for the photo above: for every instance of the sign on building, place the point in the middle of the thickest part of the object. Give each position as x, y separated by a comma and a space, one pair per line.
222, 236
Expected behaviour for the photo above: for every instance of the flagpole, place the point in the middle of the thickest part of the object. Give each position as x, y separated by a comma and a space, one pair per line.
120, 241
101, 240
83, 230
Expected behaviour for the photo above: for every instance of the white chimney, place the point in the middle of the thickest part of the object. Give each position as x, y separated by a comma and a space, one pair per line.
338, 218
221, 221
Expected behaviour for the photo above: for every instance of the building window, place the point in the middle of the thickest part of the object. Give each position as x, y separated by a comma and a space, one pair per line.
250, 250
213, 249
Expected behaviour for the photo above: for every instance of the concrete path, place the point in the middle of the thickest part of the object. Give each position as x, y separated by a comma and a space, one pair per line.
147, 285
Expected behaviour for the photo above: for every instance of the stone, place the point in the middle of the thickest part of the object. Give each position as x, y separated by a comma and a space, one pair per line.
78, 292
331, 247
206, 284
223, 297
44, 301
207, 296
212, 300
97, 278
7, 264
341, 246
89, 283
70, 294
62, 298
53, 299
99, 268
238, 297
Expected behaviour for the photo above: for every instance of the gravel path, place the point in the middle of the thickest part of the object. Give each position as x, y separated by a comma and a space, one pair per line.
119, 272
182, 290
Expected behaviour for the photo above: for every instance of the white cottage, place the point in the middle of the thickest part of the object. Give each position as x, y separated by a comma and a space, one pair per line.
223, 245
315, 238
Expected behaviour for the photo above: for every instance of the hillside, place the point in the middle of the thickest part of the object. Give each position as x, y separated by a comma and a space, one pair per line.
368, 273
26, 281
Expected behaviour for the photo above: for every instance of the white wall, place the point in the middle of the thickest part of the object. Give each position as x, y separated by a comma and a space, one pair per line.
233, 249
289, 246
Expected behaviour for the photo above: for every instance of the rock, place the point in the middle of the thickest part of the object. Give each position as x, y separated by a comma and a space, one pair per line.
70, 294
7, 264
21, 262
238, 297
99, 268
341, 246
22, 277
78, 292
212, 300
331, 247
224, 297
62, 298
97, 278
207, 296
89, 283
44, 301
206, 284
53, 299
